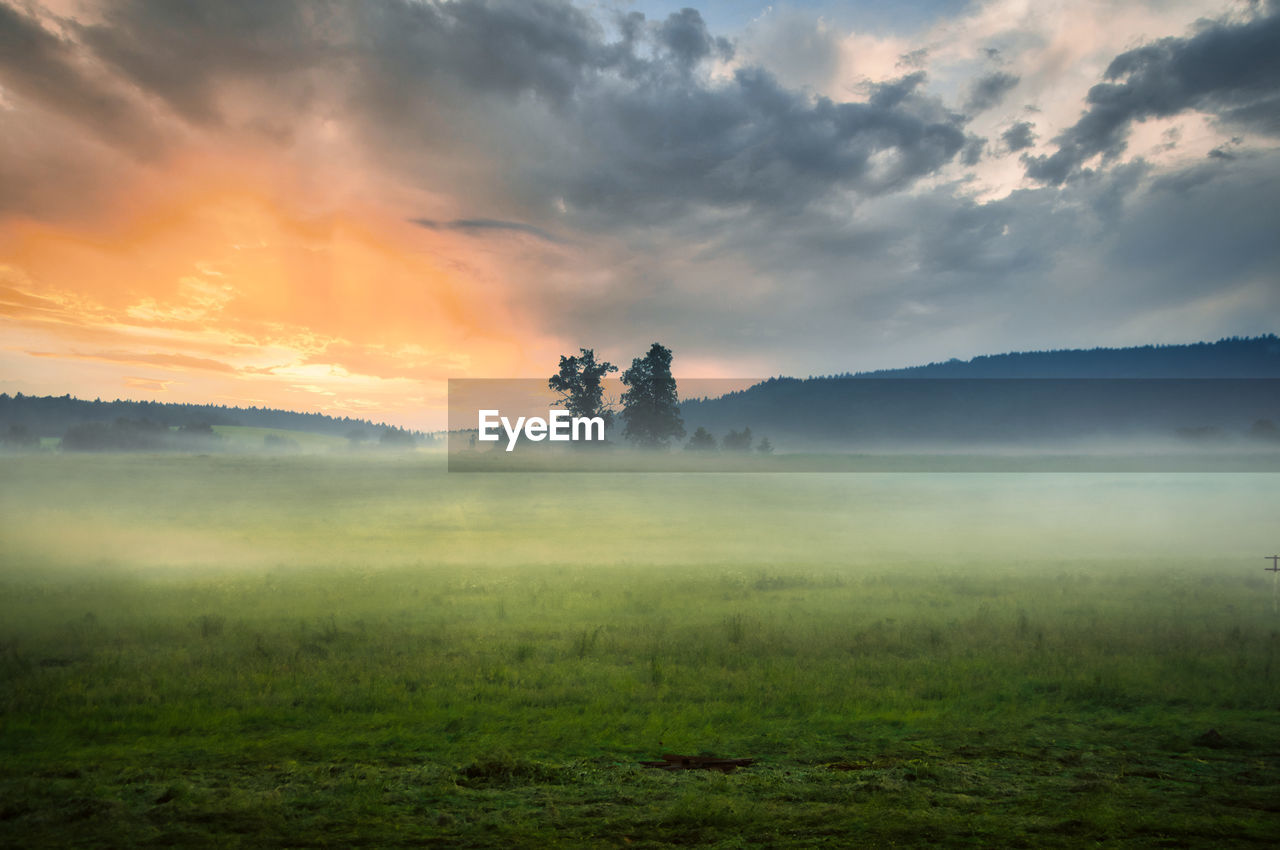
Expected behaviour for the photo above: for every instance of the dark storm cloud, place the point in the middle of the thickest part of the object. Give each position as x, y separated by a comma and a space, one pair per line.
664, 147
639, 136
633, 127
481, 225
1229, 70
989, 90
42, 67
973, 150
685, 36
893, 92
1019, 136
180, 51
541, 47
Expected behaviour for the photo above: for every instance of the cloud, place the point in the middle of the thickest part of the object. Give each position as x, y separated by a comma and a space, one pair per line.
1230, 70
149, 384
989, 90
189, 55
1122, 259
47, 68
478, 226
973, 150
804, 53
1020, 135
638, 125
665, 149
180, 362
915, 59
15, 302
684, 35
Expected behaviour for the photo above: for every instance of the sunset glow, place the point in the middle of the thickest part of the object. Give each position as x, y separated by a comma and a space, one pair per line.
219, 288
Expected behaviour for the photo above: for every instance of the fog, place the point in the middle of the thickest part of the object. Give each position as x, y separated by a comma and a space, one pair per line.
160, 514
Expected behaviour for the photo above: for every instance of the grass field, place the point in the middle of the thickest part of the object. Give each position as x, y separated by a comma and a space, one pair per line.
332, 650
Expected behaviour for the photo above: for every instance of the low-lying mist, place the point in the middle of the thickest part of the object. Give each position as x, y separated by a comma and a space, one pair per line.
159, 514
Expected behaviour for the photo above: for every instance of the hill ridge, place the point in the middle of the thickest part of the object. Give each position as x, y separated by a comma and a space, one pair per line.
1050, 395
1176, 360
51, 416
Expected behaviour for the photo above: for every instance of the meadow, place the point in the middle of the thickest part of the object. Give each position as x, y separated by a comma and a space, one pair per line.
338, 649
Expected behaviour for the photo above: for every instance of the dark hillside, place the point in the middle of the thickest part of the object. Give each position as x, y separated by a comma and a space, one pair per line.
1203, 392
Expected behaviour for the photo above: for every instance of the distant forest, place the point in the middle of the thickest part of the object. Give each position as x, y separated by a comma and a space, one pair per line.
128, 425
1233, 357
1203, 392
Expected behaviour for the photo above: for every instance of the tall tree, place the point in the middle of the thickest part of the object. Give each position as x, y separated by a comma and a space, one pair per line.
650, 404
737, 441
579, 385
701, 441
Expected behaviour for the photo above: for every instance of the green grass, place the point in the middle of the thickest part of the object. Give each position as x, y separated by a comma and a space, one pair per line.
367, 651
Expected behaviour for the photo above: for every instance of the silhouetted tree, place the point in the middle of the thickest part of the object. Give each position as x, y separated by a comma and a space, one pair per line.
737, 441
701, 441
765, 447
578, 383
650, 405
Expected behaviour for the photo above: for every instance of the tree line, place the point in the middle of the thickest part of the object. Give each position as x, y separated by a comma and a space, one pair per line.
1230, 357
122, 425
51, 416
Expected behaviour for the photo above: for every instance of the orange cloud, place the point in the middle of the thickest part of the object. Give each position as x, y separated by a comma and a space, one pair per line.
151, 384
169, 361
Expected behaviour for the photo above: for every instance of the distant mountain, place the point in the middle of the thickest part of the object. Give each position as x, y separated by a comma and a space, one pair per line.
1201, 392
53, 416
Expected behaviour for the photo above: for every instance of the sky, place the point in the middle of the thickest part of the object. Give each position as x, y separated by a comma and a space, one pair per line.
337, 205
